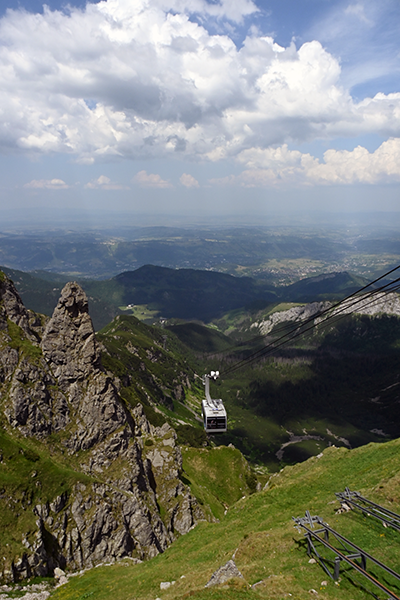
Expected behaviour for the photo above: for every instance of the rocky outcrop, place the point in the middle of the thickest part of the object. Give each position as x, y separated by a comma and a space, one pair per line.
380, 304
12, 308
224, 573
296, 313
30, 406
73, 356
52, 384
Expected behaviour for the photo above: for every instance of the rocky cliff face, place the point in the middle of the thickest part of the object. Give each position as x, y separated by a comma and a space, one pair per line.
54, 390
381, 304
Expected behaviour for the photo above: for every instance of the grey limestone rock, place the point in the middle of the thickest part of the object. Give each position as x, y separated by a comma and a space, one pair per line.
11, 307
30, 407
71, 351
224, 573
68, 341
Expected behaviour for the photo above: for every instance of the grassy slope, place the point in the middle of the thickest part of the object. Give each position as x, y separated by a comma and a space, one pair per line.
218, 476
259, 530
200, 338
324, 385
156, 369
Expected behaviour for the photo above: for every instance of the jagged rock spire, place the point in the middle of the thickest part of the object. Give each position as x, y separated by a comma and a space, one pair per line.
70, 349
69, 343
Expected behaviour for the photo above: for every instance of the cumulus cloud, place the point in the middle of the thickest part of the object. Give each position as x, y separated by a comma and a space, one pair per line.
188, 181
152, 180
282, 166
47, 184
140, 79
233, 10
104, 183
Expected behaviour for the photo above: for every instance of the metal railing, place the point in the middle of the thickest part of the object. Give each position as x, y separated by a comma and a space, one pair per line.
348, 551
369, 508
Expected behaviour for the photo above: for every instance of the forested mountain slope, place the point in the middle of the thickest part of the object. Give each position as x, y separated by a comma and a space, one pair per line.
159, 292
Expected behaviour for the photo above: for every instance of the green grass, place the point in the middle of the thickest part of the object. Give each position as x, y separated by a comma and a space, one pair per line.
313, 387
259, 530
153, 365
20, 342
218, 476
258, 438
200, 338
182, 411
141, 312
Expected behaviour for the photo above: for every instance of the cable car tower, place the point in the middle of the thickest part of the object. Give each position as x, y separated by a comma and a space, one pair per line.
213, 411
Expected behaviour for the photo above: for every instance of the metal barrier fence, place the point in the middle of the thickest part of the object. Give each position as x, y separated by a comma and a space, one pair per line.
348, 552
369, 508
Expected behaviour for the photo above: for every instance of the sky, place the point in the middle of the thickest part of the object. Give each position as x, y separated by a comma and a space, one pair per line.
190, 107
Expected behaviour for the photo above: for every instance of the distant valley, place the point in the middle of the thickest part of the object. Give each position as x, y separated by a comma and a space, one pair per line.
129, 268
152, 293
278, 254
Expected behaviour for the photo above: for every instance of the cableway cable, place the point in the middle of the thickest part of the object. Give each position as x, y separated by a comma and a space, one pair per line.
300, 331
293, 327
334, 310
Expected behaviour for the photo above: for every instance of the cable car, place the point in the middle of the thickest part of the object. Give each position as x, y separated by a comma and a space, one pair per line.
213, 411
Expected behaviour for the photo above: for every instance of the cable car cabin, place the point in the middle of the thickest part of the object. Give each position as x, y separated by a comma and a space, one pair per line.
214, 416
214, 413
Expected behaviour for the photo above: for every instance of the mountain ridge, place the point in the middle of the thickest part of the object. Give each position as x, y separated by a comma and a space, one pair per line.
182, 293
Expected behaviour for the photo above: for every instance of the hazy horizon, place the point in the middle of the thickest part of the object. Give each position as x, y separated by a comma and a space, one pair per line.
123, 223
